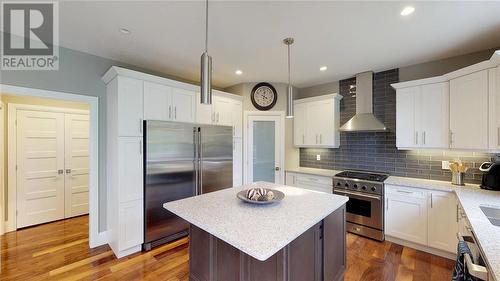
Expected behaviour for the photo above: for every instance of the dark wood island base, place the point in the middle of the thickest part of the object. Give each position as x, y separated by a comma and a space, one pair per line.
318, 254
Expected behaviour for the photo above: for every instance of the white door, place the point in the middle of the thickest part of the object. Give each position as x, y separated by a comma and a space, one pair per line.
130, 167
433, 115
469, 111
157, 102
326, 130
313, 123
223, 111
299, 124
494, 103
76, 182
130, 107
264, 149
443, 221
40, 167
184, 106
406, 216
204, 112
406, 134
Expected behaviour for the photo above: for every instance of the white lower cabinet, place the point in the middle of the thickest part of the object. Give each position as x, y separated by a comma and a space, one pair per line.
406, 214
425, 217
130, 225
311, 182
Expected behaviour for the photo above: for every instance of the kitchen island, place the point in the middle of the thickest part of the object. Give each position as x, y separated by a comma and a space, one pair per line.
300, 238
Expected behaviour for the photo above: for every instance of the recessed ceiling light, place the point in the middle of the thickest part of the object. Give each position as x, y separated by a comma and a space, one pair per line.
238, 72
407, 11
323, 68
125, 31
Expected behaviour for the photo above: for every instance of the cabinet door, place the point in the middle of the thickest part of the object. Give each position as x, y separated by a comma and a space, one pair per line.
183, 105
237, 162
299, 124
290, 179
130, 169
131, 232
313, 123
443, 221
406, 215
157, 101
223, 111
494, 110
237, 118
469, 111
130, 107
406, 135
433, 115
204, 112
325, 127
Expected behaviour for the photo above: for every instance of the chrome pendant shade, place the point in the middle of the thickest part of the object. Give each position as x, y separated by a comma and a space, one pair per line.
289, 96
206, 68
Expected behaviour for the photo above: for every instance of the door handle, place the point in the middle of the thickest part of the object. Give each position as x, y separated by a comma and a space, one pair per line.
277, 168
68, 171
416, 137
175, 112
60, 171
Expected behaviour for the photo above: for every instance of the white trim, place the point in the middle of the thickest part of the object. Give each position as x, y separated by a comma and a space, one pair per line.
419, 82
335, 96
422, 248
93, 101
246, 117
2, 154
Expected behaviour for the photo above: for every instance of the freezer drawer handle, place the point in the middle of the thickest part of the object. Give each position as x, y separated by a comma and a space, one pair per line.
475, 270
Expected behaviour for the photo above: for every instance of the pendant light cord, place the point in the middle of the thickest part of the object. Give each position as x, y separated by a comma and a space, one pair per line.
206, 26
288, 64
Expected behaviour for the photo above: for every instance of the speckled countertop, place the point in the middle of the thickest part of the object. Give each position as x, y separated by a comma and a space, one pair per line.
259, 231
471, 197
312, 171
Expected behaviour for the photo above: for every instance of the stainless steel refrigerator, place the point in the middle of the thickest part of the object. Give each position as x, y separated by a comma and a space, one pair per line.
181, 160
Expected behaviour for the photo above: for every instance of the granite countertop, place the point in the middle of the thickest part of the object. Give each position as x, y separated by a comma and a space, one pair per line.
259, 231
471, 197
313, 171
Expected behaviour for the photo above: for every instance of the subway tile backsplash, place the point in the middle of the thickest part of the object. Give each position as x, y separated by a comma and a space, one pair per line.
377, 151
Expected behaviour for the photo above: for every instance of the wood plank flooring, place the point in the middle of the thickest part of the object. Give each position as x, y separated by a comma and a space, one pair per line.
59, 251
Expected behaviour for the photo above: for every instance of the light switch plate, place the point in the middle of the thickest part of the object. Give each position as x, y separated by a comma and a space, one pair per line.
318, 157
445, 165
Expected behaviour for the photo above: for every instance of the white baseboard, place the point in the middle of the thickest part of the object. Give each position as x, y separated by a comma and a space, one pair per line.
437, 252
127, 252
101, 239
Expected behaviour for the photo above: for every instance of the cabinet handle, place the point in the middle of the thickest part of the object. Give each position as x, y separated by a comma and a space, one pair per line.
423, 137
386, 204
234, 128
60, 171
68, 171
169, 112
303, 139
217, 117
416, 137
431, 201
140, 125
457, 212
404, 191
320, 138
451, 138
140, 147
316, 139
175, 112
498, 136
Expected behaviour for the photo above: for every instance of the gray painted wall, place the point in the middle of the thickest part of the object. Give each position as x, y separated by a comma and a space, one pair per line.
318, 90
79, 73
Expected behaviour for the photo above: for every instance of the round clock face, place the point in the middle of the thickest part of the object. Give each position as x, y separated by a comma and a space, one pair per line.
264, 96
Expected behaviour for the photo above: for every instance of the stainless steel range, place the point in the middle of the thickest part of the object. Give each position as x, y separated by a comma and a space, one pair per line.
365, 208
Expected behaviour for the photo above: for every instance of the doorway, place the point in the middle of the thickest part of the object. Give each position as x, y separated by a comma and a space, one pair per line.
264, 147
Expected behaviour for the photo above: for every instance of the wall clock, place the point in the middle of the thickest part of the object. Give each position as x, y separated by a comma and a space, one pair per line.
264, 96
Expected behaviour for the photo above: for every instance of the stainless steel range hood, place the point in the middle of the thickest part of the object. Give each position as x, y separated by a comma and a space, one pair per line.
364, 120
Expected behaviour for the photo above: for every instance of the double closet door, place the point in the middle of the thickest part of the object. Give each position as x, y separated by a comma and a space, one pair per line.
52, 166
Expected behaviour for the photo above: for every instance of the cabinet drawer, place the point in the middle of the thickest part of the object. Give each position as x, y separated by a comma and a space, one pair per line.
316, 183
315, 179
406, 191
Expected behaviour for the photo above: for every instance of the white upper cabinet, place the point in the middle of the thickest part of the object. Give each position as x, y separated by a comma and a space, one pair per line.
223, 114
225, 110
316, 121
237, 118
204, 112
422, 116
183, 105
129, 107
494, 109
157, 101
469, 111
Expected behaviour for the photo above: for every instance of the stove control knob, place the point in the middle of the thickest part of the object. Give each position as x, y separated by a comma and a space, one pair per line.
355, 186
338, 184
364, 187
346, 185
373, 189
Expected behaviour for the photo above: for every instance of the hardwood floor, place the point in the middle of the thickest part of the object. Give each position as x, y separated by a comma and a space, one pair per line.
59, 251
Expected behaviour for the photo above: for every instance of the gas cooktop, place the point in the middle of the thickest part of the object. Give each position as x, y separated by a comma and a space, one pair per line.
363, 175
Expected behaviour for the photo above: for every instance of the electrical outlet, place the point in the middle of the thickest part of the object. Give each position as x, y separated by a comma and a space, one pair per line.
445, 165
318, 157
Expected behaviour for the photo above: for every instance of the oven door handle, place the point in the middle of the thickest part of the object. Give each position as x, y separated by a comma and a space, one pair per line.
359, 195
475, 270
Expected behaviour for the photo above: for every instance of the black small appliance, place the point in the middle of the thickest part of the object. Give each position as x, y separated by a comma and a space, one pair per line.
491, 176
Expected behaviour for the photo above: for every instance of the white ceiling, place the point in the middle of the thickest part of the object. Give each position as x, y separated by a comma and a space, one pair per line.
348, 37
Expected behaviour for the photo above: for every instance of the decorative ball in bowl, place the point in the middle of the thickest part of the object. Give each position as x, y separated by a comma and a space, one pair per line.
261, 195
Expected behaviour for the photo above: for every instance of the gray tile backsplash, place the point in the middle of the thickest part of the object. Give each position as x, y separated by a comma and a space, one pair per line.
377, 151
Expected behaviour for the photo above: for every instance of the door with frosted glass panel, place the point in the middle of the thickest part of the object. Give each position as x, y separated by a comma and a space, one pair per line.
264, 150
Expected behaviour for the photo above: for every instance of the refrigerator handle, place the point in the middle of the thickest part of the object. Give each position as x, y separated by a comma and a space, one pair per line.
195, 160
200, 162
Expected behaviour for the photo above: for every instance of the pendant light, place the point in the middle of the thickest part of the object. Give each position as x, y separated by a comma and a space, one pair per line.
289, 96
206, 67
